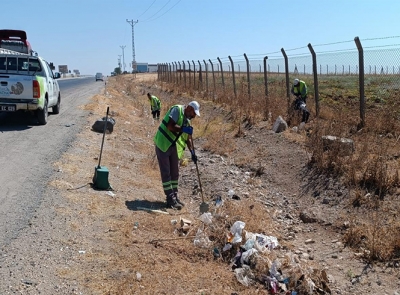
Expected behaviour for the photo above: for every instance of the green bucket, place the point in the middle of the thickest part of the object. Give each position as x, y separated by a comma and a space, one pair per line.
100, 178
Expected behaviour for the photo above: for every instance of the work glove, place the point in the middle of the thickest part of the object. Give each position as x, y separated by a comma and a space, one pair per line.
187, 129
194, 157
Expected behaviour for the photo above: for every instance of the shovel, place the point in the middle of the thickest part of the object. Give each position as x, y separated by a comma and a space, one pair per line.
203, 206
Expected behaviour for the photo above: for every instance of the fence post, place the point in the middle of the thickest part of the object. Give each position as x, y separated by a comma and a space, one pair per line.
361, 80
176, 72
315, 74
173, 72
200, 77
248, 75
233, 76
206, 68
169, 73
194, 75
180, 72
184, 73
266, 88
286, 73
222, 74
190, 81
213, 74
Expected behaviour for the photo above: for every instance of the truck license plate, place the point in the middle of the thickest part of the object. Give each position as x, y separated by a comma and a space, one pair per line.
7, 108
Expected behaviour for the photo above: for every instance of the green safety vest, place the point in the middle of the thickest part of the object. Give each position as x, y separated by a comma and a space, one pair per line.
155, 103
300, 89
165, 138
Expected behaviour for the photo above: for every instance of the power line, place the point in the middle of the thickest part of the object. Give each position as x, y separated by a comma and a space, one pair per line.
147, 8
158, 11
150, 18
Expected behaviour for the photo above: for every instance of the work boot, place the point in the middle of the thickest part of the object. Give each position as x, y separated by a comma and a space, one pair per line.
177, 199
172, 202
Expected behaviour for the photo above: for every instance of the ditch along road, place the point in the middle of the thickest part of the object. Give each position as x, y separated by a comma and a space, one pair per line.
77, 240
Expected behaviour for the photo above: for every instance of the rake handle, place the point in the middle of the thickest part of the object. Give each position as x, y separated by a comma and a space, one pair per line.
197, 170
104, 134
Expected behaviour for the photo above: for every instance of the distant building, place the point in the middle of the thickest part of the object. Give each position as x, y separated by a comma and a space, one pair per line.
142, 67
152, 68
63, 69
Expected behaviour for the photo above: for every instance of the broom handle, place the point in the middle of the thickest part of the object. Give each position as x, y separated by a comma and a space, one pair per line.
197, 169
104, 134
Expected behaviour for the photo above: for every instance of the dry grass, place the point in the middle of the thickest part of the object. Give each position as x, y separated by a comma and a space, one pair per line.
372, 168
150, 244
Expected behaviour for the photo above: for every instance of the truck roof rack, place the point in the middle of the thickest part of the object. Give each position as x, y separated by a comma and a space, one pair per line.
7, 51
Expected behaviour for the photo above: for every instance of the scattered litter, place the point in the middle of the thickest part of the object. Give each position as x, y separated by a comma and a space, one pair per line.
244, 275
227, 247
81, 252
245, 258
152, 210
218, 201
216, 252
185, 224
110, 193
236, 231
201, 240
138, 276
206, 218
235, 197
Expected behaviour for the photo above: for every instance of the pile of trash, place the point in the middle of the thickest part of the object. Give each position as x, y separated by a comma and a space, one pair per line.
257, 258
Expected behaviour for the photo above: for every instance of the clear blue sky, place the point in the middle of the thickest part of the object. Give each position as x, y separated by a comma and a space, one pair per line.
87, 34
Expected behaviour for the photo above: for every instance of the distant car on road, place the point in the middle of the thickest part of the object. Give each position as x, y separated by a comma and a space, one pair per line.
99, 76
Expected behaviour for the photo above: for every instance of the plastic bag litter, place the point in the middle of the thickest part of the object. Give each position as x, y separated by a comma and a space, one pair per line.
249, 244
274, 270
236, 230
227, 247
206, 218
247, 254
265, 243
244, 275
201, 240
311, 285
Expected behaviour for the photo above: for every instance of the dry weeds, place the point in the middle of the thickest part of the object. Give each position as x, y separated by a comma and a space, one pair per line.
144, 253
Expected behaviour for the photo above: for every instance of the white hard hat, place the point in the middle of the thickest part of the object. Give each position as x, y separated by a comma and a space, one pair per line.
195, 105
296, 81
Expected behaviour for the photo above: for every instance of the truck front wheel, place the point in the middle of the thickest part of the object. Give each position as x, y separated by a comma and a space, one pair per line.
43, 114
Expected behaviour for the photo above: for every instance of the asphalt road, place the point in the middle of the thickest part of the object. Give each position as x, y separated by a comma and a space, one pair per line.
29, 150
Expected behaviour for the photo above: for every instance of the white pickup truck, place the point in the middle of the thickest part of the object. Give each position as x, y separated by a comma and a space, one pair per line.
28, 83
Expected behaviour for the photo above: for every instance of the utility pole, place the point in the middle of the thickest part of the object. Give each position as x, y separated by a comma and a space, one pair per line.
119, 62
133, 23
123, 56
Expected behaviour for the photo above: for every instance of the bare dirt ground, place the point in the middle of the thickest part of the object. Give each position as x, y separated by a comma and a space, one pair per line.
103, 242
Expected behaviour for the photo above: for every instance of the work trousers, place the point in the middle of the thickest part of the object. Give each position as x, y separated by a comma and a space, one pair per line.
169, 168
156, 114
